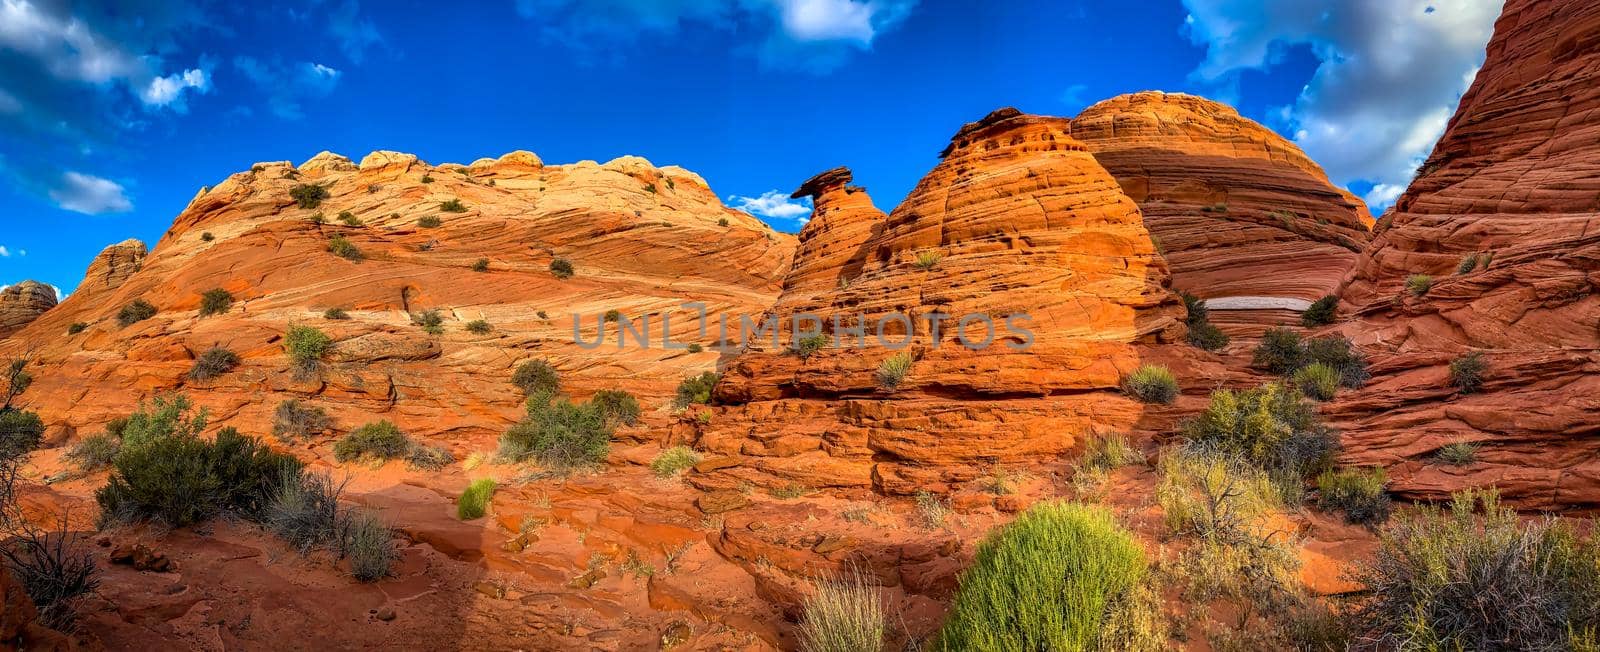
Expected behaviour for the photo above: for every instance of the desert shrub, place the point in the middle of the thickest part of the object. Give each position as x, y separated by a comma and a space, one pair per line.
478, 327
369, 544
694, 347
1196, 307
429, 221
427, 178
1458, 453
616, 407
1208, 337
350, 219
561, 268
612, 315
308, 195
1214, 496
335, 313
20, 433
474, 502
94, 452
317, 218
674, 460
927, 260
294, 420
214, 362
1341, 356
1419, 284
1151, 384
481, 265
431, 321
306, 346
558, 433
894, 369
1358, 493
340, 246
77, 327
215, 301
305, 512
53, 569
722, 222
1317, 380
931, 510
843, 614
207, 237
1109, 452
1476, 577
168, 474
650, 188
166, 416
452, 206
1321, 312
1279, 352
809, 345
696, 389
1269, 426
1468, 263
136, 311
429, 458
380, 440
1466, 372
536, 377
1043, 581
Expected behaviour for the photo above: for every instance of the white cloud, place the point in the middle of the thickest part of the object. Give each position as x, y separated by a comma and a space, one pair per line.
288, 86
827, 20
1383, 194
90, 194
1391, 73
4, 253
773, 204
165, 90
70, 49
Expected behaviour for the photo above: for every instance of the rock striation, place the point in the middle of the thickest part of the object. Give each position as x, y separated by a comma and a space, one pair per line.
22, 303
1503, 217
1239, 211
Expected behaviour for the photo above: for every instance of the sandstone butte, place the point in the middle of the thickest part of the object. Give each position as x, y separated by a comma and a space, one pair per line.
1514, 186
1244, 218
22, 303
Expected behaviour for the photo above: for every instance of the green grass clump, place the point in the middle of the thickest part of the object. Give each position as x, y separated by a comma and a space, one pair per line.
696, 390
536, 377
843, 614
136, 311
1419, 284
335, 313
340, 246
1321, 312
1151, 384
1340, 355
1269, 426
474, 502
674, 460
294, 420
452, 206
894, 369
77, 327
1468, 263
431, 321
1358, 493
1458, 453
1317, 380
95, 452
308, 195
214, 362
617, 407
478, 327
306, 346
1466, 372
369, 545
1109, 452
561, 268
1044, 581
927, 260
482, 265
810, 345
429, 221
215, 301
350, 219
380, 440
560, 434
1280, 352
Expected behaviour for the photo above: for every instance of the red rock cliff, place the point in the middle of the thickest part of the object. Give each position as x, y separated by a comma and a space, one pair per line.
22, 303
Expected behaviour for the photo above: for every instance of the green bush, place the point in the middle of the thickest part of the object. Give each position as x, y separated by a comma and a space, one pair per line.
1044, 581
1207, 337
1222, 499
1321, 312
379, 440
1477, 576
843, 614
674, 460
308, 195
214, 362
350, 219
536, 377
1196, 307
94, 452
1151, 384
482, 265
136, 311
1317, 380
369, 544
1109, 452
20, 433
650, 188
77, 327
294, 420
694, 347
429, 222
317, 218
722, 222
1338, 354
207, 237
478, 327
1358, 493
305, 511
1466, 372
1419, 284
894, 369
452, 206
617, 407
429, 458
215, 301
306, 346
1279, 352
558, 433
927, 260
1468, 263
335, 314
696, 390
561, 268
1458, 453
810, 345
339, 246
1270, 426
427, 178
474, 502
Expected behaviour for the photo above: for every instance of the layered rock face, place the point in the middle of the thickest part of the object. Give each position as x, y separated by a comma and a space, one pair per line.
1241, 214
22, 303
1503, 217
1018, 227
642, 240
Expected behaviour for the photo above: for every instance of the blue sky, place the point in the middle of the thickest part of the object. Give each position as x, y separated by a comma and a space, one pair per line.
113, 114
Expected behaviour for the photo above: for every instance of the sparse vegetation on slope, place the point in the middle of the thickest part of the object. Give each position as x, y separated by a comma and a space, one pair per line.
1151, 384
136, 311
215, 301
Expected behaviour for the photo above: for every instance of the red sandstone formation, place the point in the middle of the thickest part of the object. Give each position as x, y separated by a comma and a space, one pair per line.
1238, 211
1514, 187
22, 303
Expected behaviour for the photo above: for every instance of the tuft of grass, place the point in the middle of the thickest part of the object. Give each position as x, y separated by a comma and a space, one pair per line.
1045, 581
1466, 372
1468, 263
894, 369
335, 314
214, 362
350, 219
369, 544
1460, 453
478, 327
536, 377
95, 452
1419, 284
650, 188
431, 321
1151, 384
1358, 493
317, 218
306, 346
305, 511
308, 195
481, 265
1321, 312
1215, 496
561, 268
429, 458
379, 440
474, 502
429, 221
810, 345
1339, 354
673, 461
452, 206
77, 327
1109, 452
788, 491
696, 390
294, 420
843, 614
929, 259
136, 311
341, 246
207, 237
1317, 380
215, 301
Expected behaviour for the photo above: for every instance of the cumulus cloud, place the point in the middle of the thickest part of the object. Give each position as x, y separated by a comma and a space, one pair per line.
4, 252
1390, 75
90, 195
810, 35
165, 90
287, 86
774, 205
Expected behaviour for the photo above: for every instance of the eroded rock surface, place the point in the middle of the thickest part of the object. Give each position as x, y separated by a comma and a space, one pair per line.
22, 303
